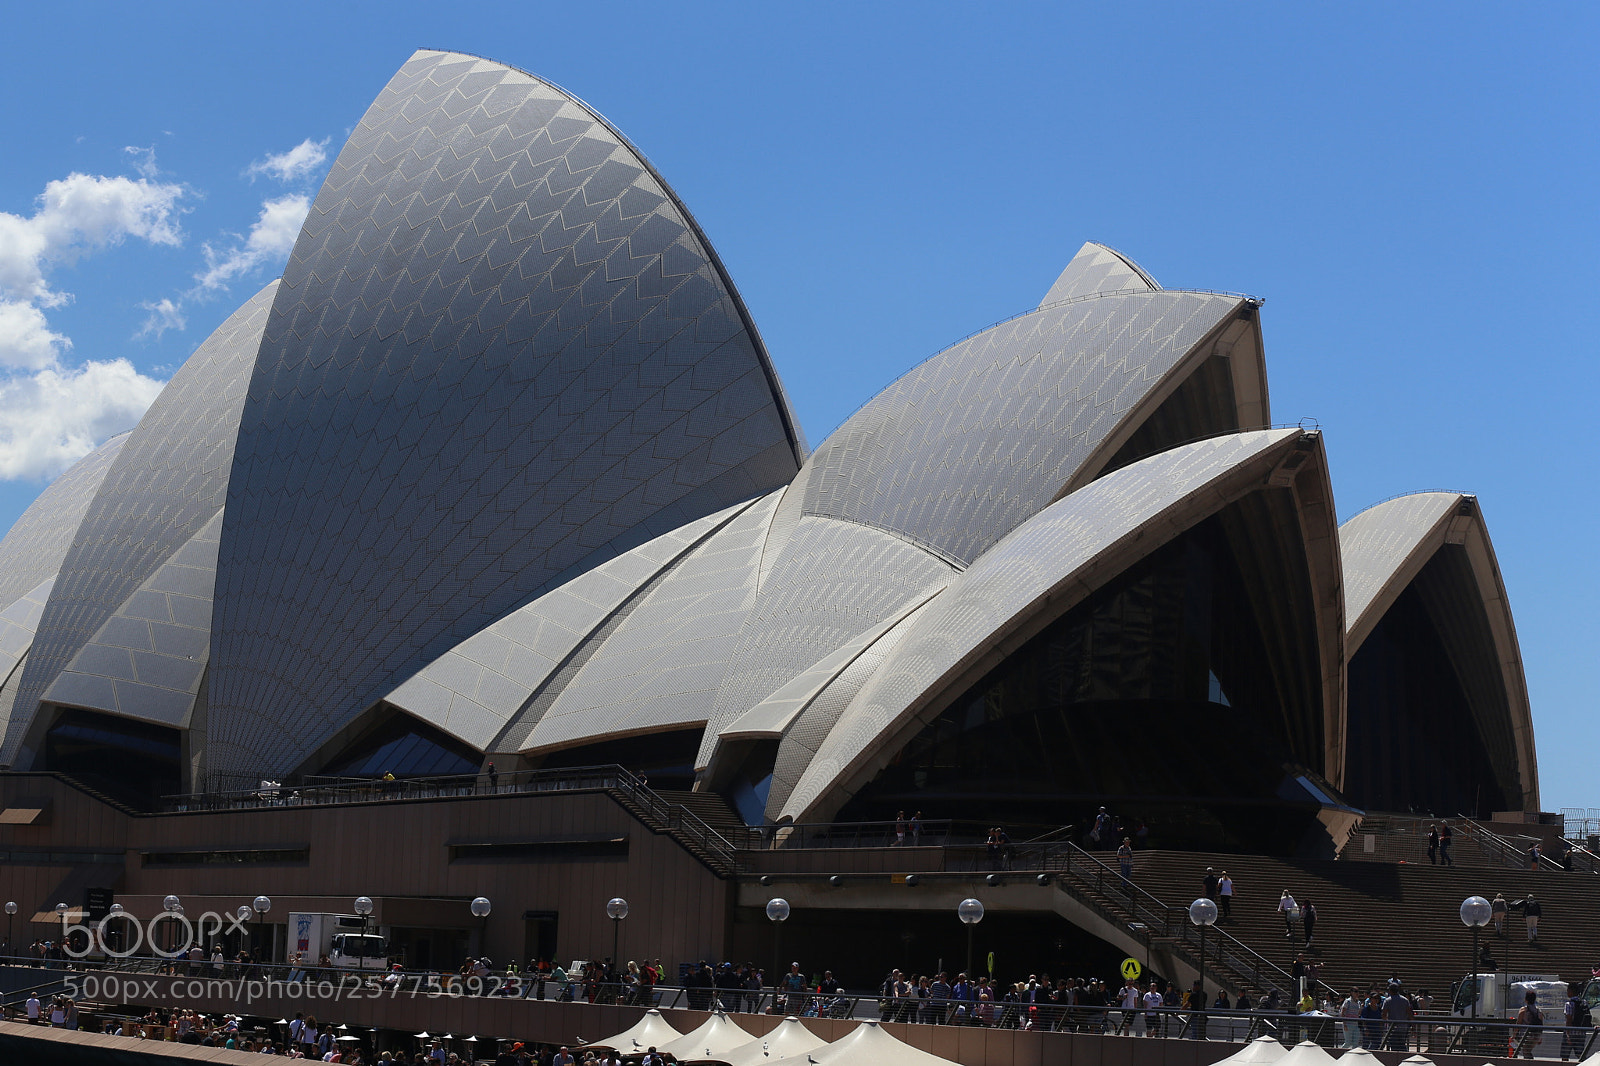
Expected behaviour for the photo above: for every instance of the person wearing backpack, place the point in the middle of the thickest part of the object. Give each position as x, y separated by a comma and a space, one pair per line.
1531, 1020
1579, 1022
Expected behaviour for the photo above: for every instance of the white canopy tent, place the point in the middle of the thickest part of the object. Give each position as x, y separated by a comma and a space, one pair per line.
1306, 1053
1258, 1052
867, 1045
650, 1031
713, 1040
791, 1038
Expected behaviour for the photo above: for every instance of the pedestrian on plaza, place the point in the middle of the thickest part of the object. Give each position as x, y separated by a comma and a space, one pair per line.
1531, 912
1210, 885
1196, 1006
899, 828
1533, 855
1433, 845
1398, 1012
1579, 1022
1497, 911
494, 777
1153, 1004
1225, 895
1446, 838
1308, 920
1125, 862
916, 829
1531, 1020
1349, 1015
1290, 911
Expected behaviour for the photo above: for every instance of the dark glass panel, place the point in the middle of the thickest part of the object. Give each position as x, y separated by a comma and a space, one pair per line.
405, 747
136, 762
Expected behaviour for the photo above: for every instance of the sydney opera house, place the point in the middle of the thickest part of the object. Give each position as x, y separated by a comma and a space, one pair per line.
501, 471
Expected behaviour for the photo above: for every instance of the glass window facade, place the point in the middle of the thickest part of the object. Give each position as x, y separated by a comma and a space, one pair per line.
1427, 733
405, 747
136, 762
1166, 695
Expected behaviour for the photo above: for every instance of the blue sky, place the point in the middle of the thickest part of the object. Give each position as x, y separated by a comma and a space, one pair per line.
1410, 187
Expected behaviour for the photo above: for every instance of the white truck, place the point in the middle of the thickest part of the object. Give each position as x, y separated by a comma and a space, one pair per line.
1501, 995
347, 941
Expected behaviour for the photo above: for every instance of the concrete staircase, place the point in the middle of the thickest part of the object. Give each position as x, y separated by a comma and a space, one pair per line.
1376, 919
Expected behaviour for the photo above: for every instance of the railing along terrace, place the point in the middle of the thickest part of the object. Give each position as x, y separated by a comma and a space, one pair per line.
326, 791
1012, 1006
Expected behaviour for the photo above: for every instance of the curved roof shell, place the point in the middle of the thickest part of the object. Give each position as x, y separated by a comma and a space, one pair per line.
32, 552
501, 354
1038, 573
1386, 547
168, 481
1097, 268
479, 690
945, 462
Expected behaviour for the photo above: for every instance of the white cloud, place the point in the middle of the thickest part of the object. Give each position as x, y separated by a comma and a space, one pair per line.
301, 161
51, 414
271, 238
26, 340
51, 419
164, 314
78, 214
144, 161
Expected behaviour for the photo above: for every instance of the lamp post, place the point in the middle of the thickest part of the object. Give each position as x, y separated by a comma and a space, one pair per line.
616, 910
261, 905
11, 917
777, 914
480, 909
1203, 913
1475, 914
363, 906
172, 905
970, 911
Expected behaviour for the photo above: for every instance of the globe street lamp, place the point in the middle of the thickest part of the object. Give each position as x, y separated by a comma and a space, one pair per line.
970, 911
11, 915
363, 906
777, 914
1203, 913
1475, 914
261, 905
616, 910
480, 909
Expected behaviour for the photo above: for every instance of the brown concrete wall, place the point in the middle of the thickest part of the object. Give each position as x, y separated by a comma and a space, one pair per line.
396, 852
572, 1023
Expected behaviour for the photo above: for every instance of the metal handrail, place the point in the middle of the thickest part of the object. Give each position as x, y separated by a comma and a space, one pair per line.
1508, 852
1174, 922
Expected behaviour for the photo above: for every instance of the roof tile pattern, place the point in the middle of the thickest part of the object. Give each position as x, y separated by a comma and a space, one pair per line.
1097, 268
35, 546
960, 451
1048, 553
18, 623
148, 658
834, 581
476, 688
169, 480
501, 354
661, 667
1379, 540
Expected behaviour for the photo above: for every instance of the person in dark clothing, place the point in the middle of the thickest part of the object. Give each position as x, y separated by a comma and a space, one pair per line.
1308, 920
1433, 845
1196, 1006
1210, 884
1445, 840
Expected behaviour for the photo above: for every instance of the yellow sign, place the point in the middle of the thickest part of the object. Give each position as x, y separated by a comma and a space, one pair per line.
991, 964
1131, 969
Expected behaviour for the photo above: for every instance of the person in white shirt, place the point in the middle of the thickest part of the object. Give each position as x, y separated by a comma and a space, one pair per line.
1349, 1013
1152, 1006
1225, 895
1129, 999
1290, 911
33, 1008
